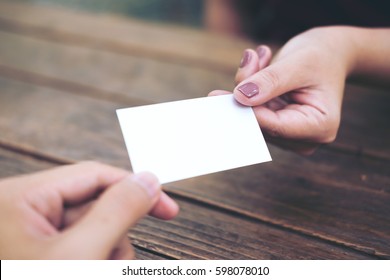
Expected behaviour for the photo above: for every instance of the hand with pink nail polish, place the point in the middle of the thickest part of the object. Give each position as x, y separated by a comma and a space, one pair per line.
297, 96
80, 211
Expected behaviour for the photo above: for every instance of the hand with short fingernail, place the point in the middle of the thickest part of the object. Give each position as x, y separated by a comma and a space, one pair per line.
297, 97
80, 211
249, 89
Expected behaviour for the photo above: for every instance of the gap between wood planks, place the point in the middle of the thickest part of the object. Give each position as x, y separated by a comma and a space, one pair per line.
296, 230
293, 227
67, 37
97, 93
73, 86
153, 253
310, 232
222, 208
68, 86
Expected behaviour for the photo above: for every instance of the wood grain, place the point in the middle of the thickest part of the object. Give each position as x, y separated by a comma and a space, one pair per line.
364, 128
322, 202
110, 72
193, 235
123, 35
204, 233
106, 74
60, 85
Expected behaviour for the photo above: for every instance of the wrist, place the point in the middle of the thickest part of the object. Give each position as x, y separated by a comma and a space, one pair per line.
342, 43
364, 52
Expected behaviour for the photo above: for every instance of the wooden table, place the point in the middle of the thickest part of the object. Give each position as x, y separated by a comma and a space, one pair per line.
64, 73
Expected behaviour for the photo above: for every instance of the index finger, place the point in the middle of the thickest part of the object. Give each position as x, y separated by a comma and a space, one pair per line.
77, 182
274, 80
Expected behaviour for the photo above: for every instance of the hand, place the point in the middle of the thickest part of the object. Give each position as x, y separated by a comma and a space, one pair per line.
297, 97
80, 211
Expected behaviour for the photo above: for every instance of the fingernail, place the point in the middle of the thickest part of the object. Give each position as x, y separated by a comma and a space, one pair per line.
148, 181
246, 57
260, 51
249, 89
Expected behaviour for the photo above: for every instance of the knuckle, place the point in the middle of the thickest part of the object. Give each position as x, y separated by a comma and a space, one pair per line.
329, 137
330, 130
326, 136
270, 78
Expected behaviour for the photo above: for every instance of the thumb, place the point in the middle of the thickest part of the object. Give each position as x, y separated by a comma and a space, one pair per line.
115, 211
274, 80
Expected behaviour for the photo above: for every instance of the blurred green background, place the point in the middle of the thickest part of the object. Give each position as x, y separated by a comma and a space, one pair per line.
186, 12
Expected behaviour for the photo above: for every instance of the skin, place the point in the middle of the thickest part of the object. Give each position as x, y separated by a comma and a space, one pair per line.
84, 211
301, 88
80, 211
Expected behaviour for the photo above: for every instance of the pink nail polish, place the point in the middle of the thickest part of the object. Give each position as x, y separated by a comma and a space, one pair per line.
249, 89
260, 51
246, 57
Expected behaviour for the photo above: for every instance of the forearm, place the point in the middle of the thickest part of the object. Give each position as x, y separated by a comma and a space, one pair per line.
365, 52
371, 53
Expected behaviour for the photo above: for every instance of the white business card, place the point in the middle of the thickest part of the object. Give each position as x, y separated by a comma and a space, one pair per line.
183, 139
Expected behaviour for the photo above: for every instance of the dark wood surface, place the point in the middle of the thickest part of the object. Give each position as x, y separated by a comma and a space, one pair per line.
64, 73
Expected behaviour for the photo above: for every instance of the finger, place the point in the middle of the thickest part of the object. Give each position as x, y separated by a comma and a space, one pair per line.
252, 62
123, 251
117, 209
48, 191
248, 66
166, 208
73, 214
272, 81
294, 121
77, 182
264, 54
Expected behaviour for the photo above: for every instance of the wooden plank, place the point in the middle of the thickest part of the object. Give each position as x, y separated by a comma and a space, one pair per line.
13, 164
298, 195
117, 75
104, 74
356, 174
203, 233
332, 196
124, 35
22, 105
364, 127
